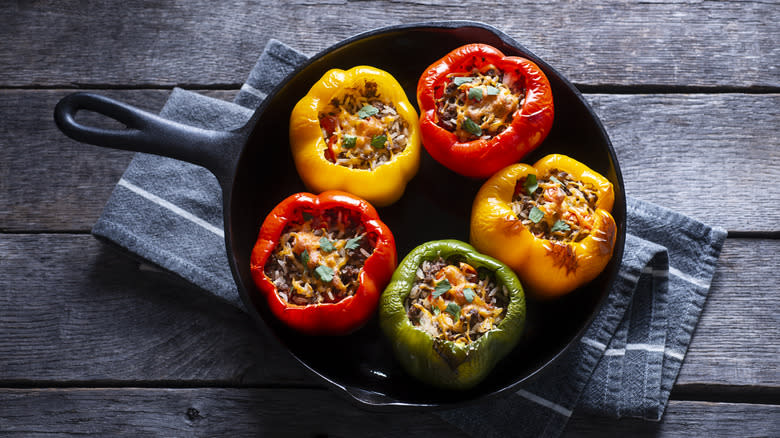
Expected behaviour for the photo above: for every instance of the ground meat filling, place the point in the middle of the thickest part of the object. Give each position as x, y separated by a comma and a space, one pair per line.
479, 104
319, 257
362, 129
558, 207
452, 301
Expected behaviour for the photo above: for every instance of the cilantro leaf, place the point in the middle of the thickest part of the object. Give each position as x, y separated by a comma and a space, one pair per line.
475, 94
531, 184
491, 91
349, 141
472, 127
556, 180
324, 273
559, 225
326, 244
379, 141
367, 111
305, 258
441, 288
535, 215
353, 243
454, 310
460, 80
468, 294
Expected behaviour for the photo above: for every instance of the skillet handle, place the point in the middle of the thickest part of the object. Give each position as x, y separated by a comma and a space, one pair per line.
146, 132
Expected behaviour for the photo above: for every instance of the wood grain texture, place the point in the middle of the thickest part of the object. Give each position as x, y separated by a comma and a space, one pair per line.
74, 311
740, 320
206, 412
694, 153
50, 182
666, 43
311, 413
686, 419
91, 345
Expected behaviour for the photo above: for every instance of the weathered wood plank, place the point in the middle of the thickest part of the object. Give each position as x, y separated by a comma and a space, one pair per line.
686, 419
673, 150
702, 155
73, 311
676, 43
203, 412
740, 320
48, 181
311, 413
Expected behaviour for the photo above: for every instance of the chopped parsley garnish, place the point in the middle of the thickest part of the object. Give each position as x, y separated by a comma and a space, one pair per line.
468, 294
305, 258
559, 225
326, 244
536, 215
454, 310
367, 111
472, 127
324, 273
349, 141
460, 80
441, 288
379, 141
353, 243
491, 91
475, 94
531, 184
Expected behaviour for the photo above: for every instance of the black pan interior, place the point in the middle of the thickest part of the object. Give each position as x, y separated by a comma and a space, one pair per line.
436, 205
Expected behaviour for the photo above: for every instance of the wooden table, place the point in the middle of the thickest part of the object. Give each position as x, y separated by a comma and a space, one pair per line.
92, 342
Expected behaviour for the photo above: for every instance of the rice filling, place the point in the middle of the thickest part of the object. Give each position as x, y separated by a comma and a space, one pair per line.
319, 257
452, 301
559, 208
362, 129
480, 104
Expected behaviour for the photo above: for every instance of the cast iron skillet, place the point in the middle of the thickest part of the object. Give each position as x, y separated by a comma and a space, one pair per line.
254, 167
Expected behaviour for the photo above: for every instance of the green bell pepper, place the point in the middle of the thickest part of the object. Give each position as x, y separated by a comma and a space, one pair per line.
430, 356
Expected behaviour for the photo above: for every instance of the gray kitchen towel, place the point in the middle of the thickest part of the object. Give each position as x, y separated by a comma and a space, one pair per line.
168, 213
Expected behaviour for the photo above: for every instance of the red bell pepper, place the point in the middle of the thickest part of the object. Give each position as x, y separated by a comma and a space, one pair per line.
330, 314
484, 152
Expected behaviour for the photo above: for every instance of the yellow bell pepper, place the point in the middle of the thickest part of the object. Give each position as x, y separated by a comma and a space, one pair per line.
315, 149
544, 245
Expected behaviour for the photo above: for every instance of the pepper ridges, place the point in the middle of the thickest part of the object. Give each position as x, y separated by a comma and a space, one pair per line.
444, 363
547, 268
380, 186
333, 318
481, 157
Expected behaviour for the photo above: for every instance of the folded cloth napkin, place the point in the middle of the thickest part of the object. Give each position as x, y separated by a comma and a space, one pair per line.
169, 213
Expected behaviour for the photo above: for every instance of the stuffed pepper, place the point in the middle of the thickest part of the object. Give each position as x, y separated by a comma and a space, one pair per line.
451, 313
481, 111
321, 262
550, 222
356, 131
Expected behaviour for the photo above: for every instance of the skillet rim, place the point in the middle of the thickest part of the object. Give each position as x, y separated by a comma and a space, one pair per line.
366, 398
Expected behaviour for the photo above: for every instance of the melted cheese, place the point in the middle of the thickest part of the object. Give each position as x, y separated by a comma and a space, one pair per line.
344, 109
441, 323
294, 243
491, 112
